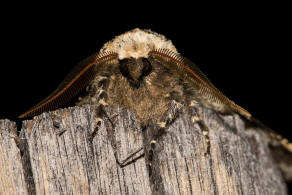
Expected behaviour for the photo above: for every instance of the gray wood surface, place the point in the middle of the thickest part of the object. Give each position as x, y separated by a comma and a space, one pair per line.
12, 177
63, 161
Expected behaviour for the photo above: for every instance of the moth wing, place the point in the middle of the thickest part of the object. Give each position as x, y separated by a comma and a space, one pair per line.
195, 69
214, 92
76, 80
280, 147
192, 73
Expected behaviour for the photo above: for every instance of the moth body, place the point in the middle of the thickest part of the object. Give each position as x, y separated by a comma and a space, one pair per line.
148, 96
142, 71
140, 81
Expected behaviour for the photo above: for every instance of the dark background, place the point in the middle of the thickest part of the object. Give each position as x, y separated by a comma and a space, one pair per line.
246, 52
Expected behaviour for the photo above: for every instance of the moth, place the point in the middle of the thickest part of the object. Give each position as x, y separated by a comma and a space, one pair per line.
142, 71
145, 66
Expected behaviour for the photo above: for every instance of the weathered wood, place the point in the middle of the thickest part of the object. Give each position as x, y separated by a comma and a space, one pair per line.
239, 161
12, 180
64, 161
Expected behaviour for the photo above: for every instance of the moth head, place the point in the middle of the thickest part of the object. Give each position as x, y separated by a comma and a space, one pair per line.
133, 49
135, 70
137, 43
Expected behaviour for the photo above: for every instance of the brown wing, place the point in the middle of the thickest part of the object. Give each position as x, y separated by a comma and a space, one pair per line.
206, 86
281, 148
76, 80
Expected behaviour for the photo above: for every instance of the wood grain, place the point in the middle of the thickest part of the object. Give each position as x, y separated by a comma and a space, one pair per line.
12, 177
64, 161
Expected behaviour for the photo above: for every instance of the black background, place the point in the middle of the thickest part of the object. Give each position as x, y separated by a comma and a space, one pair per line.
245, 52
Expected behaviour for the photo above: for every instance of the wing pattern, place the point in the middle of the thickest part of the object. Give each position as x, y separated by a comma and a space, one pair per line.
76, 80
192, 73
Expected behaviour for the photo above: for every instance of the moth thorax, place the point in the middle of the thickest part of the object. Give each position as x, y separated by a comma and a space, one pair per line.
137, 43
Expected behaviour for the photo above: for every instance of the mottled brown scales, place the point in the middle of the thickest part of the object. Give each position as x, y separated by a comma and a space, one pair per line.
148, 96
147, 86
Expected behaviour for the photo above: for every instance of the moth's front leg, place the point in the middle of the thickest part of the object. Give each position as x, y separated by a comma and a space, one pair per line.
102, 116
154, 132
197, 119
97, 95
100, 113
170, 114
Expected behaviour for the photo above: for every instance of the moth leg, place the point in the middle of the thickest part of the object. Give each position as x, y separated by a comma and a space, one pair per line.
99, 119
170, 114
153, 134
100, 115
128, 160
197, 119
131, 158
98, 89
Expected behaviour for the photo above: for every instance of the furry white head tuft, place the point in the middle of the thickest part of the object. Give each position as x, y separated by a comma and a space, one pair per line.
137, 43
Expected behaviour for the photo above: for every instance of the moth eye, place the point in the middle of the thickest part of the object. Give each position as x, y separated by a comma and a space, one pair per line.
147, 67
123, 67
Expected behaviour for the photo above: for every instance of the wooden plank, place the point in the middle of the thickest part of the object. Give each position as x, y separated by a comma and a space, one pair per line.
239, 161
12, 180
64, 161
